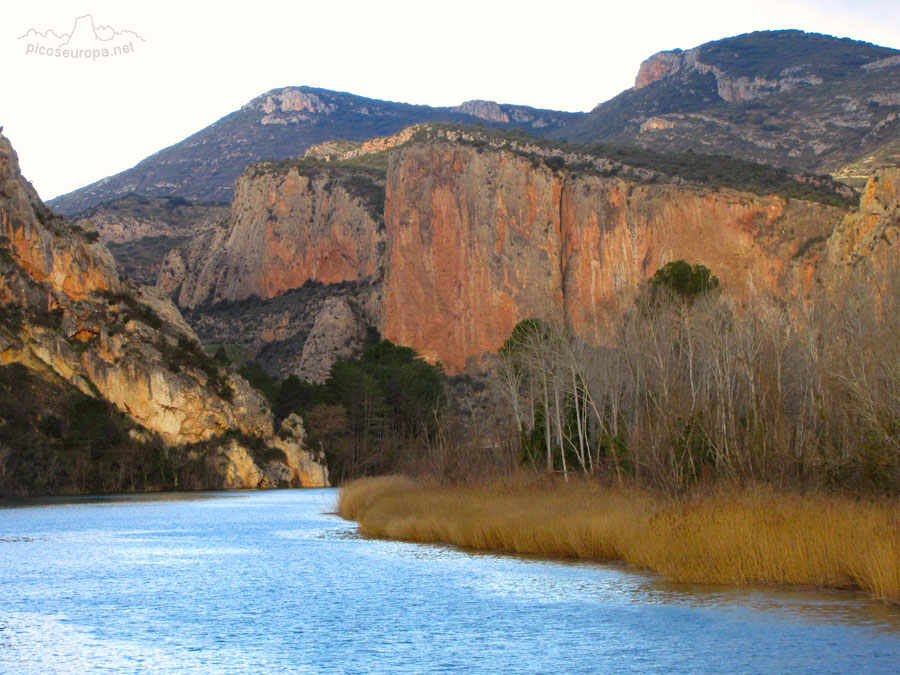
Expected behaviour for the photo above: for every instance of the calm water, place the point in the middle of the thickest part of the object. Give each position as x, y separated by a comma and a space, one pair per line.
268, 582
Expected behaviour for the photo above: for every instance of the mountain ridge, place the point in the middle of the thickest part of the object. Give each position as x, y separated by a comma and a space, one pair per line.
802, 101
278, 124
788, 98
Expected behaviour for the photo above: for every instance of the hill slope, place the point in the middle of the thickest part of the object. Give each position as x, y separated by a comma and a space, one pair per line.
279, 124
792, 99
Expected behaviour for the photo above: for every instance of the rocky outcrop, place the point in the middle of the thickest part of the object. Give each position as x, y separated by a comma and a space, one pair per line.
300, 263
347, 151
338, 333
70, 314
479, 240
658, 66
288, 226
730, 87
869, 236
305, 467
296, 465
486, 110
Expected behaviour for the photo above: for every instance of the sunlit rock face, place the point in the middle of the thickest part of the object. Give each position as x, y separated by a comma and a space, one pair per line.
479, 240
83, 322
479, 233
286, 228
869, 236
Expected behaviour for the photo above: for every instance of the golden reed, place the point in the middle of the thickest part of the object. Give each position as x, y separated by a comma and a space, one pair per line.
750, 536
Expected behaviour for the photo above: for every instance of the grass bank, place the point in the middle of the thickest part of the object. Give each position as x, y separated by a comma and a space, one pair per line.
753, 536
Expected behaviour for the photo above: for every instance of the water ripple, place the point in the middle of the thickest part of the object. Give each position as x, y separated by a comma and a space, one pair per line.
270, 582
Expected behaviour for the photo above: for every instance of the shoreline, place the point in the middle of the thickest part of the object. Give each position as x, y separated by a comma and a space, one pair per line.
755, 536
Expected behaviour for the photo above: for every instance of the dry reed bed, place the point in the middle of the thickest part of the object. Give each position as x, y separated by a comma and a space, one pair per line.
753, 536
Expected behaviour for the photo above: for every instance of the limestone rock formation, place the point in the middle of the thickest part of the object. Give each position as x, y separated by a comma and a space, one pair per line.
486, 110
72, 316
339, 332
731, 88
305, 466
869, 236
479, 232
481, 239
290, 225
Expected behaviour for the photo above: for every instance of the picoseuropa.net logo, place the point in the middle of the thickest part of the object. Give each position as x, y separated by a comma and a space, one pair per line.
86, 41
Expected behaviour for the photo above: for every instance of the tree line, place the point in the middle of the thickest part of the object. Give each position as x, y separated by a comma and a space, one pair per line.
690, 385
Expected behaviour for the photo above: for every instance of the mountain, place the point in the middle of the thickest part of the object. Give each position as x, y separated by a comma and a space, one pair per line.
788, 98
803, 101
103, 386
444, 237
279, 124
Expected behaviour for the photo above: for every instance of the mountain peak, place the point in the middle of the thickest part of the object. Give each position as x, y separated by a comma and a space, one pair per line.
290, 105
767, 56
486, 110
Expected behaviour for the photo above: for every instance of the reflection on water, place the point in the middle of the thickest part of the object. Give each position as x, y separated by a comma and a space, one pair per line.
270, 582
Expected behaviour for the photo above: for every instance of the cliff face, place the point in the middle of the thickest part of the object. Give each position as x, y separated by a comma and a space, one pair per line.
869, 236
479, 240
479, 232
287, 228
299, 264
730, 87
68, 314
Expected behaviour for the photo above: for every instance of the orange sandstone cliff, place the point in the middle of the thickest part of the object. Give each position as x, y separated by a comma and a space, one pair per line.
481, 239
288, 225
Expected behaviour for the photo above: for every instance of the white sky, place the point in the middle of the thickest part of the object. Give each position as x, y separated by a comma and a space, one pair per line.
75, 122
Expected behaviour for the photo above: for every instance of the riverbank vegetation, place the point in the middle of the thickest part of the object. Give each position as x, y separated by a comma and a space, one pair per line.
374, 414
753, 535
691, 386
707, 437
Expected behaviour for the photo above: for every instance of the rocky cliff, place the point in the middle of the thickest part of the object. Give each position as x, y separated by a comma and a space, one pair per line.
868, 237
730, 87
69, 316
295, 275
290, 224
479, 231
479, 240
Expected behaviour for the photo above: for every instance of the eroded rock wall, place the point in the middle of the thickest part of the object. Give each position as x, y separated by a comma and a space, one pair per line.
479, 240
286, 228
67, 312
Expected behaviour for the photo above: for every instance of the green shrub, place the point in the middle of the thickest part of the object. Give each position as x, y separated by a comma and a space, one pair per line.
684, 280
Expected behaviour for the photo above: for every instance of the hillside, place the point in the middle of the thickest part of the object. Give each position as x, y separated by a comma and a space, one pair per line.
139, 231
788, 98
279, 124
103, 386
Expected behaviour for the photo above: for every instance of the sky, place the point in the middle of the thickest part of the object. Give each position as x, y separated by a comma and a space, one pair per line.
75, 121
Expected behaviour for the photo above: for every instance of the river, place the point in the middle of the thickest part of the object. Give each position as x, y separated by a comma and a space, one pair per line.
271, 582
